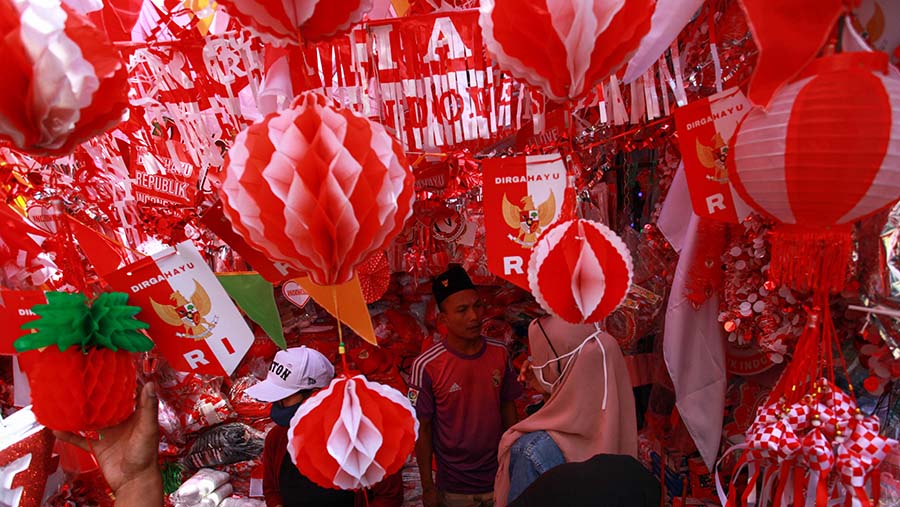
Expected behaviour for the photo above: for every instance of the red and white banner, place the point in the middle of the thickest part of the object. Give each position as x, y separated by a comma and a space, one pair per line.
15, 311
195, 325
704, 129
523, 196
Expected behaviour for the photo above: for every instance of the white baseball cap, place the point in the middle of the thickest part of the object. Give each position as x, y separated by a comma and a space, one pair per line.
293, 370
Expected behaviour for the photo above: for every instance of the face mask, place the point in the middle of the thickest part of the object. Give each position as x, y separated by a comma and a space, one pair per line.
282, 415
539, 370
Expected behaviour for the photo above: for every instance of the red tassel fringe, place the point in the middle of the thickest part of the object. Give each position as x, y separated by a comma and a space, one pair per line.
810, 260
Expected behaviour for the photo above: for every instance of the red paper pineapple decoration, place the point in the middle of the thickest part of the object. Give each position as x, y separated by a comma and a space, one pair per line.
79, 363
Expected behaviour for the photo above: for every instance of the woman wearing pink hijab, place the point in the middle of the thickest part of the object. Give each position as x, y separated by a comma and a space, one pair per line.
590, 409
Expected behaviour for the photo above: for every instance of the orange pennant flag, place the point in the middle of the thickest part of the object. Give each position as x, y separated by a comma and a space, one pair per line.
349, 299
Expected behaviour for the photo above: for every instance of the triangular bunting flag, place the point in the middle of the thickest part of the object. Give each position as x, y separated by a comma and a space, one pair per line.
254, 295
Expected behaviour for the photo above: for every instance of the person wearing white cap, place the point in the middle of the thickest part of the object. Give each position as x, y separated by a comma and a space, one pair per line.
294, 375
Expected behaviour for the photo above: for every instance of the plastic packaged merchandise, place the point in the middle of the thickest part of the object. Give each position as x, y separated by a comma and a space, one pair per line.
224, 445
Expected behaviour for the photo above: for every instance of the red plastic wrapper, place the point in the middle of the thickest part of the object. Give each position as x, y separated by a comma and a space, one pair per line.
192, 403
246, 406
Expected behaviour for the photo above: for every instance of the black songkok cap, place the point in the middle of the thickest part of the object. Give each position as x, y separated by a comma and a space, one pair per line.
454, 280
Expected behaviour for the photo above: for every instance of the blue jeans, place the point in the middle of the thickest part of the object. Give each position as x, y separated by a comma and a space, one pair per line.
533, 454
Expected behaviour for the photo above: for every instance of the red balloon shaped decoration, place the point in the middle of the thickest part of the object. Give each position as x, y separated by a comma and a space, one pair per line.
77, 391
564, 47
318, 188
63, 82
825, 154
352, 434
580, 271
282, 22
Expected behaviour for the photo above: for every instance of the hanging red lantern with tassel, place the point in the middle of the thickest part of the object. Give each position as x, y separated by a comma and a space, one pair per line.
825, 154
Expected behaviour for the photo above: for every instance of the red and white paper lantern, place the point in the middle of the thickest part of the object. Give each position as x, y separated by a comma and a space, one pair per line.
824, 154
580, 271
318, 188
564, 47
63, 82
352, 434
282, 22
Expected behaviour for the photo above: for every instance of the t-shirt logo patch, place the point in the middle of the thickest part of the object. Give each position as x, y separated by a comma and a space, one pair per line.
455, 387
413, 395
496, 377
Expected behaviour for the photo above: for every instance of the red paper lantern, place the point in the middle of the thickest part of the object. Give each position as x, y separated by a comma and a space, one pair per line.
352, 434
580, 271
317, 188
63, 82
78, 391
825, 154
283, 22
563, 47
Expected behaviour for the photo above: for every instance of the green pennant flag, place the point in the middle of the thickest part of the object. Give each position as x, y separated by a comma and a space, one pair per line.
256, 298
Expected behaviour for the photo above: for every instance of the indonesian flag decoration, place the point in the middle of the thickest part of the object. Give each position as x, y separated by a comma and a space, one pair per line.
669, 18
195, 325
63, 82
564, 47
523, 197
825, 154
282, 22
26, 450
352, 434
580, 271
80, 363
317, 188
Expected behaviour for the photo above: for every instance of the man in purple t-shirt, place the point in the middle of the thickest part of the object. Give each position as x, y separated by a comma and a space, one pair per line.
463, 389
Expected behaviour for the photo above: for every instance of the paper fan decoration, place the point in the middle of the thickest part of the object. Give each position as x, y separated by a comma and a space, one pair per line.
580, 271
318, 188
563, 47
79, 363
282, 22
63, 82
374, 276
352, 434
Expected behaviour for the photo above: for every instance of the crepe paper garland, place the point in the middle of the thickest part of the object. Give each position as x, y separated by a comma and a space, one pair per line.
26, 458
79, 363
580, 271
318, 188
352, 434
563, 47
669, 18
374, 276
825, 154
282, 22
63, 82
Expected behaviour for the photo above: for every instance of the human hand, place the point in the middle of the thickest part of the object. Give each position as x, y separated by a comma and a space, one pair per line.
128, 453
